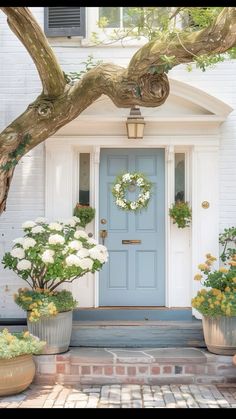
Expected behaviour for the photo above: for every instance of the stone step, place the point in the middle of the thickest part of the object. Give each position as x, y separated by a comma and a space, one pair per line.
132, 334
137, 334
134, 366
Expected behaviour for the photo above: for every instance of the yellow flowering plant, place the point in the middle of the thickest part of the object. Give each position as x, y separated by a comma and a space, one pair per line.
219, 298
44, 303
16, 344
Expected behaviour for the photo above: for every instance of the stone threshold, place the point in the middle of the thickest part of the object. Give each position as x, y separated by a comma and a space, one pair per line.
86, 365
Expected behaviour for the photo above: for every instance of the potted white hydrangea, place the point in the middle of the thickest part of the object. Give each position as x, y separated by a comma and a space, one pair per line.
49, 255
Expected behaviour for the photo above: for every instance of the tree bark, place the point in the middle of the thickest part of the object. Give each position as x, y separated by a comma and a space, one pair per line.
143, 83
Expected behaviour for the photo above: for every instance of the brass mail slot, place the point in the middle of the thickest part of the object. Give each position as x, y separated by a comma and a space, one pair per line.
131, 241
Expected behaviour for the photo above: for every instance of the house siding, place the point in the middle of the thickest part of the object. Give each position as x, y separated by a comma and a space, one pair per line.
20, 85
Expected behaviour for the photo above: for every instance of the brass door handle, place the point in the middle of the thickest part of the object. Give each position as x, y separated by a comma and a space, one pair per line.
131, 241
103, 235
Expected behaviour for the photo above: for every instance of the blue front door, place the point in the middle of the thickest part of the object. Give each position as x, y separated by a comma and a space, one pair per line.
135, 273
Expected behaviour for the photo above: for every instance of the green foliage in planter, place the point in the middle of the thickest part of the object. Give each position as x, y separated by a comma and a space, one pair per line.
16, 344
44, 303
181, 214
228, 239
84, 213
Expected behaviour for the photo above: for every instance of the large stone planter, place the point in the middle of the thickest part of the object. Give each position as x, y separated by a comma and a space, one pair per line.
16, 374
220, 334
56, 331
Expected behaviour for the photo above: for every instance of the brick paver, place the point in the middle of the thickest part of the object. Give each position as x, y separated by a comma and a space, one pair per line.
124, 396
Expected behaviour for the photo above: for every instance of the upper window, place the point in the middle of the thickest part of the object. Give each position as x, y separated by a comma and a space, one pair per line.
64, 21
130, 17
118, 17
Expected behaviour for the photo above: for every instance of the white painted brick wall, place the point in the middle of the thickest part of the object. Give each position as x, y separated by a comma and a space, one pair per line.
20, 84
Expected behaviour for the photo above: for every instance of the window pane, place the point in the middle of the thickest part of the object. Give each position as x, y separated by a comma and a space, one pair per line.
179, 177
84, 178
112, 14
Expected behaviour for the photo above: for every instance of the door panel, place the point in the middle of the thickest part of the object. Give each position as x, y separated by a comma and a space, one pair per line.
135, 274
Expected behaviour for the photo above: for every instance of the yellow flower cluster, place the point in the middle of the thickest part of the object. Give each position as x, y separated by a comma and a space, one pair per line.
215, 302
38, 311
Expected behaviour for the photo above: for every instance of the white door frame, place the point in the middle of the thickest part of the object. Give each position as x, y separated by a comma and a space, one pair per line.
179, 284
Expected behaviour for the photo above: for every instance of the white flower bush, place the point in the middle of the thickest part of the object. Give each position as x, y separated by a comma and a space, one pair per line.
52, 253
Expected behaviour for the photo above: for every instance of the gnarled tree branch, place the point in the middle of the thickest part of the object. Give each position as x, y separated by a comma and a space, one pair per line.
219, 37
143, 83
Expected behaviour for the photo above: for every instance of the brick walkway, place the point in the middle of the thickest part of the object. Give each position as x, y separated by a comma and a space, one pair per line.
124, 396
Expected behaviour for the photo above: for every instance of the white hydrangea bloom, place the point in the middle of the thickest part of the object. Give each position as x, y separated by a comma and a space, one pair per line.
55, 226
19, 240
23, 265
101, 248
56, 239
73, 260
47, 256
92, 241
28, 224
94, 253
37, 229
70, 222
82, 253
75, 245
86, 263
18, 253
41, 220
28, 242
80, 233
77, 219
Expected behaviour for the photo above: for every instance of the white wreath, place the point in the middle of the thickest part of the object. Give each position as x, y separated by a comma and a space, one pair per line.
123, 182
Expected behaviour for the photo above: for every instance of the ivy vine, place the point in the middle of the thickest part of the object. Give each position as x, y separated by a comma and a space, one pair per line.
15, 155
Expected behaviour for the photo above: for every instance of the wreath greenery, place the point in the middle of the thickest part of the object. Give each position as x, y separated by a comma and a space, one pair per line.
128, 180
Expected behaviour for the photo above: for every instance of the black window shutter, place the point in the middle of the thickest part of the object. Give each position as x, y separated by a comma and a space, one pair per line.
64, 21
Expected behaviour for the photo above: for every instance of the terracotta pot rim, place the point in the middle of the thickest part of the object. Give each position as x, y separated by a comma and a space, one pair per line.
16, 358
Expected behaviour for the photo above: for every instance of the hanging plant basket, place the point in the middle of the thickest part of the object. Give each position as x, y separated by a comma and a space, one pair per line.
181, 214
85, 213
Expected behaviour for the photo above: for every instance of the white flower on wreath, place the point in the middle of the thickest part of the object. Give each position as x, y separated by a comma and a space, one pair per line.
139, 181
120, 203
133, 205
126, 177
117, 187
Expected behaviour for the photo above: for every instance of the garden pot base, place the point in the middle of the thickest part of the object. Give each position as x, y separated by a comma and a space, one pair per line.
218, 350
